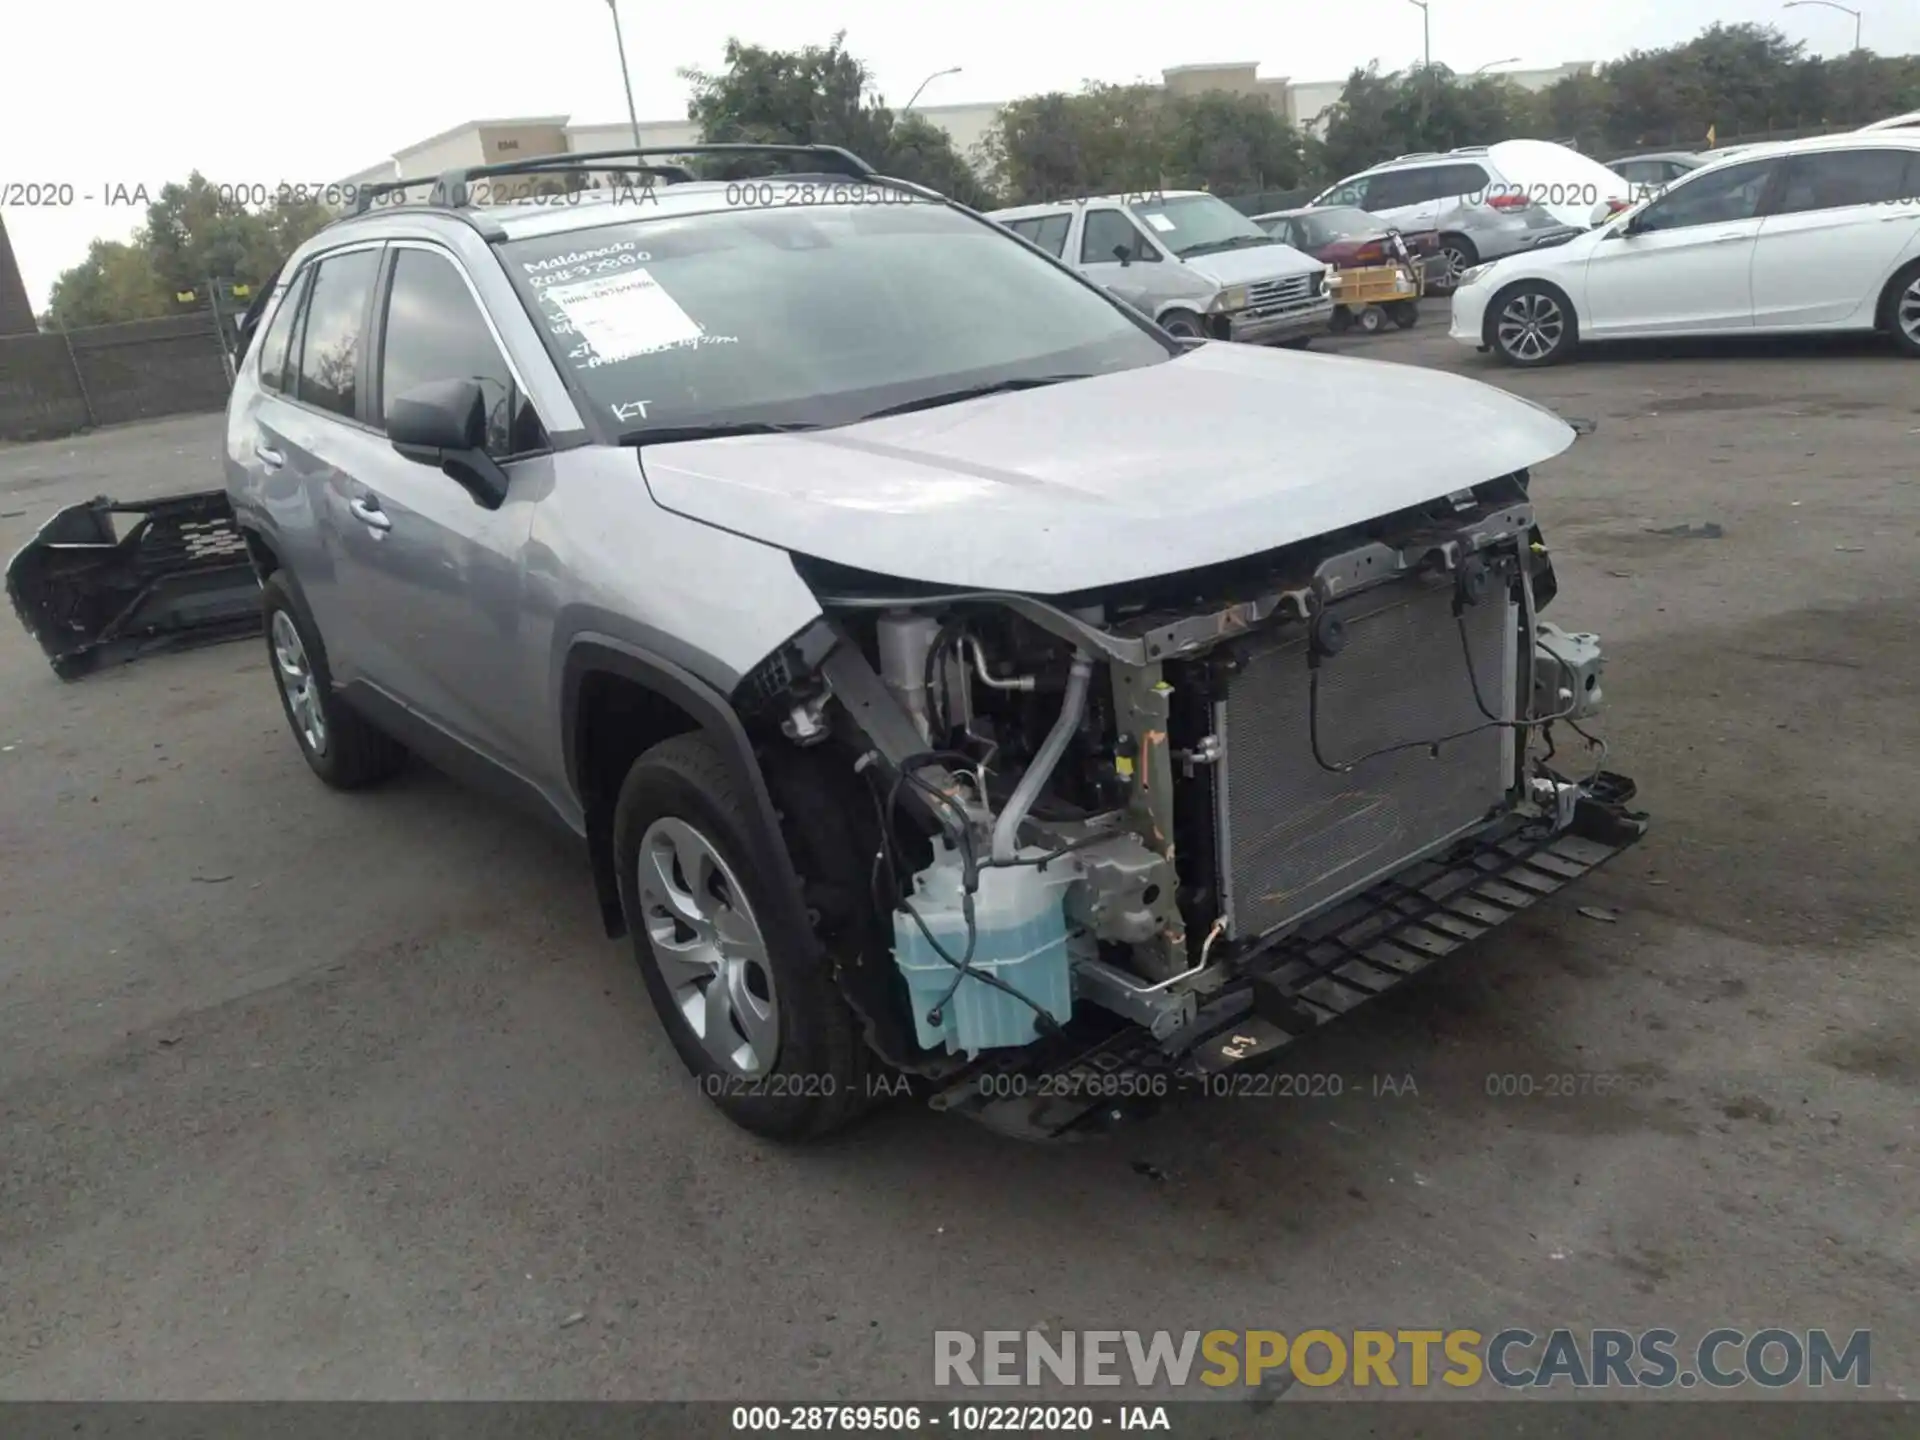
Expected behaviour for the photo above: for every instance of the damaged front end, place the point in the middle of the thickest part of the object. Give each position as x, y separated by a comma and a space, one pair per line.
106, 581
1132, 840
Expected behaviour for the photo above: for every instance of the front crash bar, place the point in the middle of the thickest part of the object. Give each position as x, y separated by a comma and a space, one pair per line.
94, 593
1335, 963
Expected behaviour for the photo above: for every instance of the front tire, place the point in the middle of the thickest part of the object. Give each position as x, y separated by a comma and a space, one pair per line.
1184, 324
1405, 313
1531, 325
345, 749
759, 1025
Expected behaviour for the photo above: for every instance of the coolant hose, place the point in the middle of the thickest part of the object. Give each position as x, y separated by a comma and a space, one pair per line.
1006, 830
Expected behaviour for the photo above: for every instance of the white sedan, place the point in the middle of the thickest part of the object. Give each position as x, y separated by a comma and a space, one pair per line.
1807, 236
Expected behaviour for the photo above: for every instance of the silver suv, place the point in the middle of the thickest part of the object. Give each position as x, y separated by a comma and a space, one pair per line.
957, 684
1190, 260
1485, 201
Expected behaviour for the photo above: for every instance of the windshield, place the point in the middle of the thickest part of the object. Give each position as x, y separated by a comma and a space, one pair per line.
808, 315
1198, 224
1341, 222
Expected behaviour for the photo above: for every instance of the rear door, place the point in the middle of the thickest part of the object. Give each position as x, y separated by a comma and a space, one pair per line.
1407, 199
1844, 220
1049, 232
433, 572
1690, 269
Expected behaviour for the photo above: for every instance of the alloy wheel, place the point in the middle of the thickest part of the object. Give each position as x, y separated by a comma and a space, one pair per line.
1906, 311
1531, 326
709, 947
298, 683
1456, 263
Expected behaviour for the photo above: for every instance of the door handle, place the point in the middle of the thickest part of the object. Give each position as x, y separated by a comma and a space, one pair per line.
1729, 238
367, 510
272, 459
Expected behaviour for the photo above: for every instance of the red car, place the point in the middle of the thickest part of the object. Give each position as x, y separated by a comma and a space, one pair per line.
1346, 237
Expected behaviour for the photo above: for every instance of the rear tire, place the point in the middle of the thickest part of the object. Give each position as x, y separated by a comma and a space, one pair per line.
776, 1048
345, 749
1372, 320
1901, 311
1404, 313
1461, 256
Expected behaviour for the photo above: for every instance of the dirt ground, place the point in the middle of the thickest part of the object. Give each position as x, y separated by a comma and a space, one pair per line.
309, 1095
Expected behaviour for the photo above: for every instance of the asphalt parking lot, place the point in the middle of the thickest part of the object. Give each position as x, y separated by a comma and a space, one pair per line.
311, 1095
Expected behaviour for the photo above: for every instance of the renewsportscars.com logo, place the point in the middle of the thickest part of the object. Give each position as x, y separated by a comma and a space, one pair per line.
1514, 1358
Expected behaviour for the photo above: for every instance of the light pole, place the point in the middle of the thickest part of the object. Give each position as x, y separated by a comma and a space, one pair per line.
1426, 33
1830, 5
626, 80
923, 85
1482, 69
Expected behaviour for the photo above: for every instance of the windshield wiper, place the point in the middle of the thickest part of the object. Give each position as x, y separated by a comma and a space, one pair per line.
972, 392
667, 434
1231, 242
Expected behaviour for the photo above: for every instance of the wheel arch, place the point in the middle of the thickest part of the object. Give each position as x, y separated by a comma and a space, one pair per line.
617, 702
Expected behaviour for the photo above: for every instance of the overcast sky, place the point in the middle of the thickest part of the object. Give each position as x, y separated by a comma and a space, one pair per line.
252, 94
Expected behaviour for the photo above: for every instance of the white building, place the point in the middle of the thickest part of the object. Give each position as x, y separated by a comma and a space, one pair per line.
487, 142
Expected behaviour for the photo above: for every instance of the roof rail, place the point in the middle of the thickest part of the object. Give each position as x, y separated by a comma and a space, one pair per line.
365, 197
1416, 155
1470, 150
452, 187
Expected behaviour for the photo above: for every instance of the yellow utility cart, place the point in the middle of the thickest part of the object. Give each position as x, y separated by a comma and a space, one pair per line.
1367, 297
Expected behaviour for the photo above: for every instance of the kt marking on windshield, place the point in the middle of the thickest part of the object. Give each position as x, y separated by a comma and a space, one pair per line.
630, 410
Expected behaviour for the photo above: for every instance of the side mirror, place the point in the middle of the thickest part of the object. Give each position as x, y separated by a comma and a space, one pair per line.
1123, 253
1601, 213
444, 424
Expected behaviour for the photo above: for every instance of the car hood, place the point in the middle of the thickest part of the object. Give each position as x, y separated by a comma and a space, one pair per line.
1226, 451
1256, 262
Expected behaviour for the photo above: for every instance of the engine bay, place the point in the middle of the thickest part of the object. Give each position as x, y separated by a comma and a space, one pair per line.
1100, 809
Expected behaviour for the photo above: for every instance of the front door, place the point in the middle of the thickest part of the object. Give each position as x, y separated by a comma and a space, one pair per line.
1107, 230
433, 570
1685, 264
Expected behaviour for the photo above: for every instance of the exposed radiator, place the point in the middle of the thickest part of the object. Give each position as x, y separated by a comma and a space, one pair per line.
1294, 837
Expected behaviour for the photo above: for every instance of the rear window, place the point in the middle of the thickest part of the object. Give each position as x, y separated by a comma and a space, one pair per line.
807, 314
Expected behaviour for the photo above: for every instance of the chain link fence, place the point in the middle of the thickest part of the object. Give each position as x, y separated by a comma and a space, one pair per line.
61, 381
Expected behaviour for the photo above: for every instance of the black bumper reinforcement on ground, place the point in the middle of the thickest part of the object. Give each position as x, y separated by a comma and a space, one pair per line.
1359, 949
178, 575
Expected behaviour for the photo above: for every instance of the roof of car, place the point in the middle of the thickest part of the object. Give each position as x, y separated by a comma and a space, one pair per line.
1054, 207
1690, 157
638, 200
1847, 140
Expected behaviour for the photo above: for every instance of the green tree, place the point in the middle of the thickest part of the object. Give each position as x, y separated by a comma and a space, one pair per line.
819, 95
1379, 116
115, 282
192, 234
1229, 144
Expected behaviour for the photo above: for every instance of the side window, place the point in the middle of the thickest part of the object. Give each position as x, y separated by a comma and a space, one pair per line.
1395, 188
1352, 192
1451, 180
1712, 199
329, 363
1052, 233
434, 331
1108, 230
1841, 178
1025, 229
274, 344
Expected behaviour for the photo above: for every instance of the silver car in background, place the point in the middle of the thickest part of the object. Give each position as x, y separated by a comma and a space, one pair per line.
1187, 259
1486, 201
